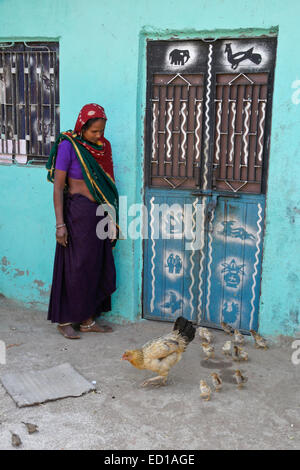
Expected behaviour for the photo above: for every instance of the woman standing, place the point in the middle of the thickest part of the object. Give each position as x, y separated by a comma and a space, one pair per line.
84, 277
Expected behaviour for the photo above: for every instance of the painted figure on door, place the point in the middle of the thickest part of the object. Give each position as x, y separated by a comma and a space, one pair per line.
232, 272
238, 232
178, 264
174, 262
174, 302
235, 58
171, 263
179, 57
230, 312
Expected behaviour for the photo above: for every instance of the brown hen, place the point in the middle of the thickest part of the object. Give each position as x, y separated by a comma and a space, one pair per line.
160, 354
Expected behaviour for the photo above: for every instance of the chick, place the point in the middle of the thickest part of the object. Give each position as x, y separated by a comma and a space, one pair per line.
243, 355
208, 350
217, 381
205, 390
227, 328
226, 349
260, 342
253, 334
31, 428
235, 353
204, 333
239, 354
239, 378
15, 439
238, 337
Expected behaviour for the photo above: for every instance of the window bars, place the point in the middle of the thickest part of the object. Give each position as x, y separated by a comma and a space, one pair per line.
209, 114
240, 117
29, 101
177, 115
177, 108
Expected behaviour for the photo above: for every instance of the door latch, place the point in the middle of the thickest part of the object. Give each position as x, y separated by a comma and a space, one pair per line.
210, 208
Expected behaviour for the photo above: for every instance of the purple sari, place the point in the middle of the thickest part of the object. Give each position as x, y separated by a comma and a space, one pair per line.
84, 275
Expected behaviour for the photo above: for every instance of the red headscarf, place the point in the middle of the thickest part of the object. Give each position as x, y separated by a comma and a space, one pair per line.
103, 155
89, 111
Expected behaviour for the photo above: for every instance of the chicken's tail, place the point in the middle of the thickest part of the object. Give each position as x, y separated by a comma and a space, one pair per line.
185, 328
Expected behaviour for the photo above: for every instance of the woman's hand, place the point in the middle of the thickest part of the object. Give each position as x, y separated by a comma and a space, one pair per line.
62, 236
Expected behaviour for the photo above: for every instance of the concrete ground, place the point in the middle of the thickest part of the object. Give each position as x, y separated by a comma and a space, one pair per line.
121, 415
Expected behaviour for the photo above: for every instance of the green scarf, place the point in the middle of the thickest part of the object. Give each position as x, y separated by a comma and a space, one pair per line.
99, 183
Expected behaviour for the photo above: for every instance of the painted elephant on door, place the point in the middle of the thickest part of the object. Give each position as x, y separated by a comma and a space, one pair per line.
179, 57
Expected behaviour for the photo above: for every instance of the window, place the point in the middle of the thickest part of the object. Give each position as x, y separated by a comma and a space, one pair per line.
29, 101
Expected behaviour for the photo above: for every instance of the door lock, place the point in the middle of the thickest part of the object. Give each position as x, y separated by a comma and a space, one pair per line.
211, 206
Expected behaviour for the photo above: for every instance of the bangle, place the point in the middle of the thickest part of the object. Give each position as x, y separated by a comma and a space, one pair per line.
59, 226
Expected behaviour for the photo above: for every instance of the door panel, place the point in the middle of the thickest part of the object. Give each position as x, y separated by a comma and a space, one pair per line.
234, 250
171, 269
177, 108
240, 113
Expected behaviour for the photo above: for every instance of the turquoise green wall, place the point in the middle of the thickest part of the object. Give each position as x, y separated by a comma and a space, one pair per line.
102, 59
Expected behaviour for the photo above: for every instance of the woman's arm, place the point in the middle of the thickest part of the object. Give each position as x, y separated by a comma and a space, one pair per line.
58, 199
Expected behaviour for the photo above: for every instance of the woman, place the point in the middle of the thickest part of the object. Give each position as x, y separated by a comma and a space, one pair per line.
84, 277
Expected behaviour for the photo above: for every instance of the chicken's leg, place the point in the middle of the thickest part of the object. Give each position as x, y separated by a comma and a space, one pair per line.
207, 395
158, 381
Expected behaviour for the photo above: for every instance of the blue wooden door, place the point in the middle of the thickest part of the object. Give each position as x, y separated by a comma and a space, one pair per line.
233, 263
171, 271
208, 127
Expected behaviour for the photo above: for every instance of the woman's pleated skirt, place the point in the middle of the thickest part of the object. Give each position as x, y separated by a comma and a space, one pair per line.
84, 275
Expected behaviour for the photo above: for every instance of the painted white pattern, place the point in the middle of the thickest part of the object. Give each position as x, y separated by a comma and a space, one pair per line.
246, 132
153, 255
206, 144
261, 132
255, 264
201, 260
219, 111
233, 109
2, 92
183, 113
198, 125
154, 130
209, 266
192, 258
169, 132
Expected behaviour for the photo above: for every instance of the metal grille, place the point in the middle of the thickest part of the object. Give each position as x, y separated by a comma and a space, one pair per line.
176, 129
240, 116
29, 101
